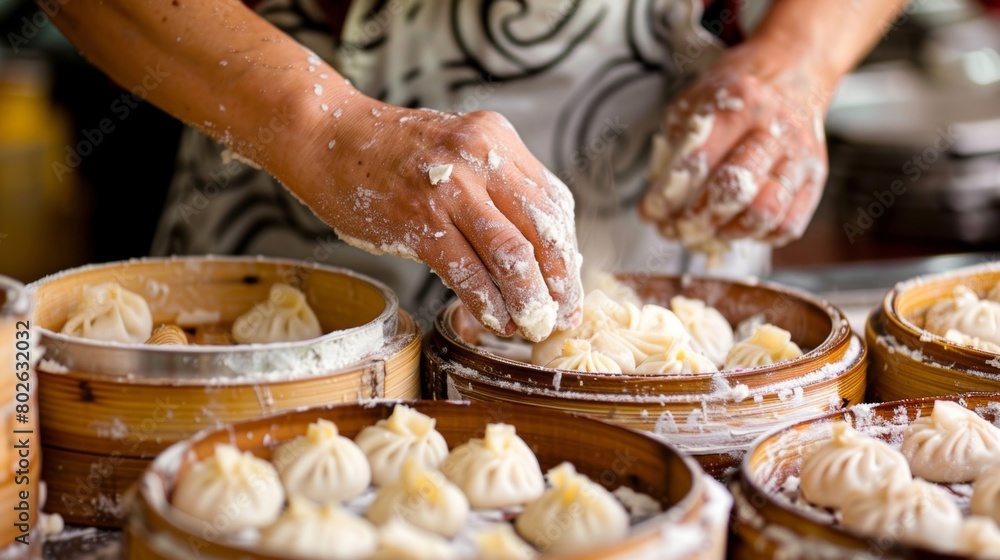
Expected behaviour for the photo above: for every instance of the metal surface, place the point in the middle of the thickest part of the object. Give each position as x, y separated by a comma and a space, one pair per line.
196, 363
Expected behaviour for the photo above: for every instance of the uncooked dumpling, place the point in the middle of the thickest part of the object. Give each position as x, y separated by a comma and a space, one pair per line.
310, 531
578, 355
979, 537
399, 540
406, 433
678, 359
712, 333
232, 485
965, 340
917, 513
424, 498
849, 462
323, 465
284, 317
586, 514
600, 312
986, 494
967, 314
951, 445
500, 542
112, 313
768, 345
496, 471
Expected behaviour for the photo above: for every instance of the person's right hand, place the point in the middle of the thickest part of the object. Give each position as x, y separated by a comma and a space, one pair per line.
499, 229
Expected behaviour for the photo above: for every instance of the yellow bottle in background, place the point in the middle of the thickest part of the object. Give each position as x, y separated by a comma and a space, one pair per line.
43, 218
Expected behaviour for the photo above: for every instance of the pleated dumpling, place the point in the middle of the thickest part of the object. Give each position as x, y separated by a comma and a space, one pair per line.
496, 471
657, 330
578, 355
678, 359
917, 513
284, 317
951, 445
712, 333
600, 313
232, 485
849, 462
399, 540
499, 541
965, 340
310, 531
406, 433
986, 494
967, 314
323, 465
586, 514
979, 537
768, 345
112, 313
423, 498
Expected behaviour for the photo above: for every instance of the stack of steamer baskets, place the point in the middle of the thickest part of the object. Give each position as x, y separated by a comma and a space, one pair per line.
107, 409
20, 451
908, 361
714, 417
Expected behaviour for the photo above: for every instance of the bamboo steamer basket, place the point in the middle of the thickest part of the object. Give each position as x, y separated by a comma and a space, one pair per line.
610, 454
107, 409
714, 417
909, 362
18, 474
767, 525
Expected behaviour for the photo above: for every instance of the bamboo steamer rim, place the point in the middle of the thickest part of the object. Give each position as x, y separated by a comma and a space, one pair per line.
14, 298
154, 509
940, 350
408, 332
839, 333
838, 535
232, 361
391, 304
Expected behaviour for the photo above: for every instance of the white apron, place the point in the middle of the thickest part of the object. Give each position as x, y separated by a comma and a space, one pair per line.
584, 82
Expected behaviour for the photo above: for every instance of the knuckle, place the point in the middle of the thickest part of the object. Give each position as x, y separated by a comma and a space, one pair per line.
508, 247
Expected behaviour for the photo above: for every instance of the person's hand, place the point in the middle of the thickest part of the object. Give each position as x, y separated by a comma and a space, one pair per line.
742, 154
460, 193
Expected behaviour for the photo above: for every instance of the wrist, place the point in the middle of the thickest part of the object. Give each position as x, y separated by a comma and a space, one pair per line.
320, 115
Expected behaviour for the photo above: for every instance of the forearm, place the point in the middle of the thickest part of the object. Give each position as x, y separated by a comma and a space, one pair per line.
823, 39
214, 65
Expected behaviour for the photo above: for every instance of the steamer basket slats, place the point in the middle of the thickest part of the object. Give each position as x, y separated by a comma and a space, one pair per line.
108, 409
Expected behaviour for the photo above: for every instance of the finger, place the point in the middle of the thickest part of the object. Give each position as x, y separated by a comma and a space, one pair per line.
737, 181
454, 260
510, 259
799, 213
768, 209
541, 207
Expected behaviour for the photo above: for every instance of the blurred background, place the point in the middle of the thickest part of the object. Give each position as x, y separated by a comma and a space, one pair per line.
914, 140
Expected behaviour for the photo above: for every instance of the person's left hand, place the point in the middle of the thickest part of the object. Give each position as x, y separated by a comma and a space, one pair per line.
743, 153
